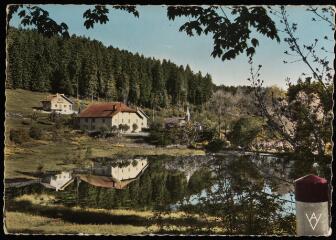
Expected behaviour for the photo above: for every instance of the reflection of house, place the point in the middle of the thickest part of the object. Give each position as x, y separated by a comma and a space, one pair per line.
121, 171
177, 121
106, 182
117, 176
58, 103
59, 181
98, 115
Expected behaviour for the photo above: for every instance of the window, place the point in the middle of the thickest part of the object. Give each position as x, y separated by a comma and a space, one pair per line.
55, 105
122, 120
93, 120
129, 120
86, 120
103, 120
64, 106
70, 107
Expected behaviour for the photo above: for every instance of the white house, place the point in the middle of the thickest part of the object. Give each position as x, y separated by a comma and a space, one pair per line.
95, 116
58, 103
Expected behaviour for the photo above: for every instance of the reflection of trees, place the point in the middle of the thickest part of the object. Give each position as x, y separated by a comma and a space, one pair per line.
240, 204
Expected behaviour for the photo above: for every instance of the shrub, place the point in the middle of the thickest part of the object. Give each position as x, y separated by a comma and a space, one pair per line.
123, 127
114, 128
134, 163
35, 133
103, 131
215, 145
18, 136
134, 127
126, 127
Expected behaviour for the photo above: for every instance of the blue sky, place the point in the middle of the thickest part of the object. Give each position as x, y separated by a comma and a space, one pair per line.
153, 35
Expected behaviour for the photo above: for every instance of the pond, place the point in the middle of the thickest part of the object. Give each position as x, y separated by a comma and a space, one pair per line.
247, 191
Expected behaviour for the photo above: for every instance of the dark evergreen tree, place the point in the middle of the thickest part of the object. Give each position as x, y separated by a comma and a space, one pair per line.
84, 67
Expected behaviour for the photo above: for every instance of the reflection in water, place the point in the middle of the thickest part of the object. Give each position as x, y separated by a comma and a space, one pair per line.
116, 174
247, 193
58, 181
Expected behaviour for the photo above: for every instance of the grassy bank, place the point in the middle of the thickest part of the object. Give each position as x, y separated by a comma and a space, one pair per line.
37, 214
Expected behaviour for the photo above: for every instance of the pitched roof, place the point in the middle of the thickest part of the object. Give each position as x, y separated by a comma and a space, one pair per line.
105, 109
51, 97
48, 185
143, 113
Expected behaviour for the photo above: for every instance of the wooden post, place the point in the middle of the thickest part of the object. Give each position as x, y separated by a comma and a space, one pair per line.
312, 208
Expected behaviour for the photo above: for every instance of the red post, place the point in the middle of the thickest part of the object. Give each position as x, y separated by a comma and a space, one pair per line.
311, 198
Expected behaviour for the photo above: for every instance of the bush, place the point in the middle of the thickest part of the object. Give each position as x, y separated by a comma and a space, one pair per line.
206, 135
18, 136
135, 127
114, 128
123, 127
103, 131
35, 133
126, 127
215, 145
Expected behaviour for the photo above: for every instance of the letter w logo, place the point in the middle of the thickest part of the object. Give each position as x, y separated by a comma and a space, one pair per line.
311, 218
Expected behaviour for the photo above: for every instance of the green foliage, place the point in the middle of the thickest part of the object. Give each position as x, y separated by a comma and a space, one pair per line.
229, 40
215, 145
207, 134
134, 127
123, 127
126, 127
103, 131
245, 130
35, 132
114, 128
18, 136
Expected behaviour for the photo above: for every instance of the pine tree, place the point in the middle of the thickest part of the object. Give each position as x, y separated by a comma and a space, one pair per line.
80, 66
